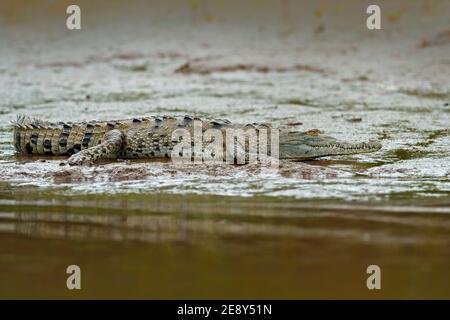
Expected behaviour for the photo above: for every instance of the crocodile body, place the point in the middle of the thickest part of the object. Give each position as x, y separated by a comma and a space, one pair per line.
152, 137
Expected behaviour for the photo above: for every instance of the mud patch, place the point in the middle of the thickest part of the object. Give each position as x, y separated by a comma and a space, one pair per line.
159, 174
299, 102
121, 96
424, 93
207, 67
405, 154
439, 39
96, 59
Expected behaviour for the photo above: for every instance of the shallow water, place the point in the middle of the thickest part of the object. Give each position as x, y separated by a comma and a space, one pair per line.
151, 229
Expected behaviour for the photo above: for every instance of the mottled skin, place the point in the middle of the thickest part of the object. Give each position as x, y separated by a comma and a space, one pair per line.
151, 137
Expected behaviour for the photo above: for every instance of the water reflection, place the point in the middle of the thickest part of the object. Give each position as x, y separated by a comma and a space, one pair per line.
353, 225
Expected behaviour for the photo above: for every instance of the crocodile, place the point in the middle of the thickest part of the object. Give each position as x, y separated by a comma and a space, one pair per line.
152, 137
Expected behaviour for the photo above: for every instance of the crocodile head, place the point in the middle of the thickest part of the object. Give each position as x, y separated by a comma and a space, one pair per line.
313, 144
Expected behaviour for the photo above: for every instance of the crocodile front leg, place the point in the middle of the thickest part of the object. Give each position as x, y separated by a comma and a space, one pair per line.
110, 146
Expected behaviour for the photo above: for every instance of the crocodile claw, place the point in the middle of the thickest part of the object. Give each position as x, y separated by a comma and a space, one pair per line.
80, 159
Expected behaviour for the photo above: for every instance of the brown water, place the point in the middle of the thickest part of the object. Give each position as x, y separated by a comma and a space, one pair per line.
307, 230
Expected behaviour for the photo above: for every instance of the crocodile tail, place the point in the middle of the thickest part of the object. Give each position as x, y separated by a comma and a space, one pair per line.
23, 121
20, 126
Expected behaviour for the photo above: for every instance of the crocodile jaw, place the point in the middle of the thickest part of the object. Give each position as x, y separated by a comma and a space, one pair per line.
309, 146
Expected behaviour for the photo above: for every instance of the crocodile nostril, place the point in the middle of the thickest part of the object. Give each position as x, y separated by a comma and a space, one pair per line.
313, 132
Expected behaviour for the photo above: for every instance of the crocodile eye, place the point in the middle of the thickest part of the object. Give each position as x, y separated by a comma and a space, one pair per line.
313, 132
